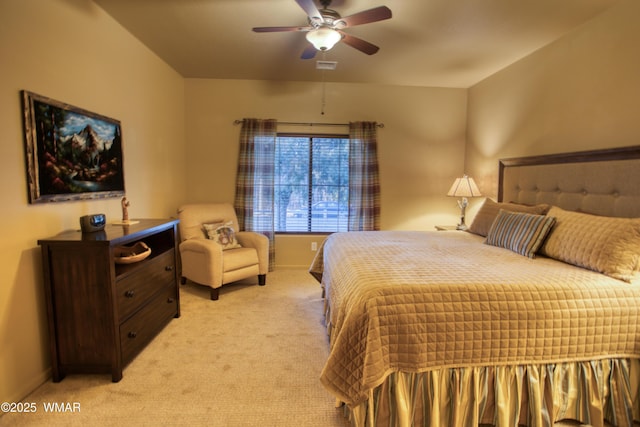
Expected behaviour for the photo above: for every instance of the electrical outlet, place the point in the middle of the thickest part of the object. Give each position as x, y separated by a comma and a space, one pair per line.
314, 246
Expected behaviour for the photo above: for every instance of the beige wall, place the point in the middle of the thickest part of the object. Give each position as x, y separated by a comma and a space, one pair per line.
421, 147
580, 93
73, 52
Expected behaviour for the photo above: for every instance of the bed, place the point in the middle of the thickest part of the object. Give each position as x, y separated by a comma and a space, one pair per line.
529, 318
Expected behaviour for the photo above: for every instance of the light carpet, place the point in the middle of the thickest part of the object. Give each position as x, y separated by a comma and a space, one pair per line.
252, 358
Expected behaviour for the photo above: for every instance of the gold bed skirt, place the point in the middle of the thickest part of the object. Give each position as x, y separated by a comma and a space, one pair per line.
506, 396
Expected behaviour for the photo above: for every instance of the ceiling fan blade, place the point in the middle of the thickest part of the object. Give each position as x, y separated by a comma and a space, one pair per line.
310, 9
309, 52
372, 15
279, 29
361, 45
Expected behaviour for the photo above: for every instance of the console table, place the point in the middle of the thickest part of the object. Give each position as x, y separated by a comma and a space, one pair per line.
102, 313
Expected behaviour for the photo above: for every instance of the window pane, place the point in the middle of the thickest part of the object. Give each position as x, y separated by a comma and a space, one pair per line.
292, 183
312, 184
330, 172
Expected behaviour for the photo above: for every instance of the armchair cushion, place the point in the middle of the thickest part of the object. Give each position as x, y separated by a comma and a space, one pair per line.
235, 259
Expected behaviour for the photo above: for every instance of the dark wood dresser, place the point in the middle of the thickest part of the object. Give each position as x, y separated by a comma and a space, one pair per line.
102, 313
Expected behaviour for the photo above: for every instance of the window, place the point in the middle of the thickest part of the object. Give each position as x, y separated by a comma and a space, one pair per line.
311, 183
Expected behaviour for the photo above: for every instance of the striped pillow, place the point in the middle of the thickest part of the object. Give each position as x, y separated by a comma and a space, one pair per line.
521, 233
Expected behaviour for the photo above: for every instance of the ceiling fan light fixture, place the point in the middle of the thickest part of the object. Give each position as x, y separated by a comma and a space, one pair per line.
323, 38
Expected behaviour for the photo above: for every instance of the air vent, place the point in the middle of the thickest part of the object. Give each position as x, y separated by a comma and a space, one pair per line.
326, 65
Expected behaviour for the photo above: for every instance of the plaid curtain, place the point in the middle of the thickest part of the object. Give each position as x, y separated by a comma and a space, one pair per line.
255, 179
364, 184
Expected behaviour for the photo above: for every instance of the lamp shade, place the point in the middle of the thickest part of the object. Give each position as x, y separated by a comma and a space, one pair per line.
464, 187
323, 38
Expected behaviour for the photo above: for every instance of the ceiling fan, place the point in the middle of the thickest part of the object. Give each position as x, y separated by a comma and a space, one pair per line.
326, 25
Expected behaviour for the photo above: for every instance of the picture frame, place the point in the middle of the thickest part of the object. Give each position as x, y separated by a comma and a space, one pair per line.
71, 153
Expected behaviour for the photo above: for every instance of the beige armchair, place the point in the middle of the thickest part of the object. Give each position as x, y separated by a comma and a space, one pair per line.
205, 261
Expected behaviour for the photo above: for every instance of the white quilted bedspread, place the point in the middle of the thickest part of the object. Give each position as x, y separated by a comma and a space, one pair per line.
416, 301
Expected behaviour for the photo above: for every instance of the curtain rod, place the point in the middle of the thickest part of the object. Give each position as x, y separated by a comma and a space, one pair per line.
380, 125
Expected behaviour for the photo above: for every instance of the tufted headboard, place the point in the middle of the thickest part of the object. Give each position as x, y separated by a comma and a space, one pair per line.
602, 182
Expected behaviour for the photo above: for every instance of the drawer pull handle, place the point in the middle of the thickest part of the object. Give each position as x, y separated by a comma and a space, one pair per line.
169, 268
129, 294
132, 334
170, 300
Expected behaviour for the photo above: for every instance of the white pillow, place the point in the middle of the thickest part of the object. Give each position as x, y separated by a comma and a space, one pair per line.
223, 234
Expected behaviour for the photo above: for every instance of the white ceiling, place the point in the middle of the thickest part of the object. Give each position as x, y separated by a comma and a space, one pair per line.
441, 43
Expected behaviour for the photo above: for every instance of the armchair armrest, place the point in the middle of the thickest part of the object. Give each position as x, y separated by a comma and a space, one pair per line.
251, 239
202, 261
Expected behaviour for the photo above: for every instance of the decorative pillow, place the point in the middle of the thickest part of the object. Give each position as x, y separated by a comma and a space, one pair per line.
519, 232
223, 234
605, 244
489, 211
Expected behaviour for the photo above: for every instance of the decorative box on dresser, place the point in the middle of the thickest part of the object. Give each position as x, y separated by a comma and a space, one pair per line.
102, 313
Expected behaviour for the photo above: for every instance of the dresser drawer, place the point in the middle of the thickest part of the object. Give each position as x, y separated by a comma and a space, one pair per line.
136, 332
137, 287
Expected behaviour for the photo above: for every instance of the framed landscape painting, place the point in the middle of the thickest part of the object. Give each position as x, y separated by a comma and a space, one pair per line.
72, 154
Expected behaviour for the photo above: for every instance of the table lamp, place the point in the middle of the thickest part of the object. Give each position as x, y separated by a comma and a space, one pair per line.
463, 187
